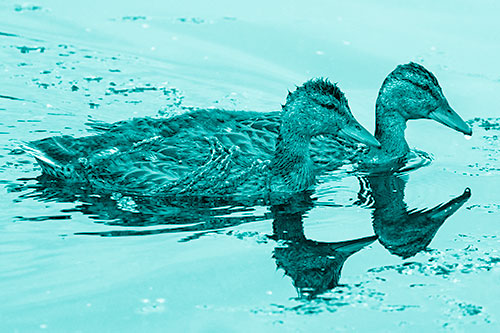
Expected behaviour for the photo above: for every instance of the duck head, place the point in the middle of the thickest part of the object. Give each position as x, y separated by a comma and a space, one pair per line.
415, 93
319, 107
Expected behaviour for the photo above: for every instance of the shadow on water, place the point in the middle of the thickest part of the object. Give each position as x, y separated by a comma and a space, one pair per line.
314, 266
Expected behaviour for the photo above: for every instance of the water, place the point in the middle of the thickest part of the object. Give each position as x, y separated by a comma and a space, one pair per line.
72, 261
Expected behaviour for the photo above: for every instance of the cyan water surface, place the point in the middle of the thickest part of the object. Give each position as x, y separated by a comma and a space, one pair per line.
74, 261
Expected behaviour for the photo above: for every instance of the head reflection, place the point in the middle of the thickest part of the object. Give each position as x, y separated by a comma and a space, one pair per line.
313, 266
405, 232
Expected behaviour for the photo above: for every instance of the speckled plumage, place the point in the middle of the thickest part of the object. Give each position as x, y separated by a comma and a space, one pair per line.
204, 151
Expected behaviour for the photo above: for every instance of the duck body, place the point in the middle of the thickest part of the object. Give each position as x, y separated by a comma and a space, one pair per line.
209, 152
188, 153
219, 152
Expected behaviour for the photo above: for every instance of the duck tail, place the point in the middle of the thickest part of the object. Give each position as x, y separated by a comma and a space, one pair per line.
98, 126
49, 164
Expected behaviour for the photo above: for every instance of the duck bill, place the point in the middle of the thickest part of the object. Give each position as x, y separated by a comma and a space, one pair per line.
358, 133
443, 211
448, 117
353, 246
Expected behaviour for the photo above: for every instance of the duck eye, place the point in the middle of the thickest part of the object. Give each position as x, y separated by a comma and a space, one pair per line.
424, 87
328, 106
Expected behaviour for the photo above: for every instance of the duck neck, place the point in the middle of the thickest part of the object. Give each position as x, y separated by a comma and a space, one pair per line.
292, 164
388, 193
390, 131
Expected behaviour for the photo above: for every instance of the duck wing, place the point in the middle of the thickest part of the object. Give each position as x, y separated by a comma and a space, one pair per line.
172, 166
198, 150
255, 133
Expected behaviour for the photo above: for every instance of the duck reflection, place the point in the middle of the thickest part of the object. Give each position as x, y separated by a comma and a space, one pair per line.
202, 216
405, 232
313, 266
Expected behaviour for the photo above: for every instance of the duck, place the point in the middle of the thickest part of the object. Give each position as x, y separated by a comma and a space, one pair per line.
409, 92
206, 151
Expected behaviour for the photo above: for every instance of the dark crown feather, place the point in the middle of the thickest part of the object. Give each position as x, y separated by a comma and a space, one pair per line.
415, 69
321, 86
